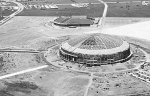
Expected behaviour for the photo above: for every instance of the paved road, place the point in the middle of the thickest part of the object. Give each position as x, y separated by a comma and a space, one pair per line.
102, 19
19, 50
23, 71
20, 8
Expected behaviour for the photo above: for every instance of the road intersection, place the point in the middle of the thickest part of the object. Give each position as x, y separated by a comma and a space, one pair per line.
7, 18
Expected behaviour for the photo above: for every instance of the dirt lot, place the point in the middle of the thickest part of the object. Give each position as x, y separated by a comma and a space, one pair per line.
21, 31
118, 85
45, 83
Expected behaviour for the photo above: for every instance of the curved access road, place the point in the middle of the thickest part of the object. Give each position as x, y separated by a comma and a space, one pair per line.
102, 19
20, 8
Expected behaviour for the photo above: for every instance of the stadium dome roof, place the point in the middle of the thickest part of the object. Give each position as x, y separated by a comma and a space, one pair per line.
95, 44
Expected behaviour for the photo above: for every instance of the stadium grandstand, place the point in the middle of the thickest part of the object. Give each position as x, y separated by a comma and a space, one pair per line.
73, 21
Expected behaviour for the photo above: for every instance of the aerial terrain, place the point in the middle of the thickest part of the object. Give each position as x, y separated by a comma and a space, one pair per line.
29, 45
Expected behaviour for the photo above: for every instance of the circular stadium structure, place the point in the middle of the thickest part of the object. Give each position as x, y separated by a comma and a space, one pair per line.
72, 21
95, 49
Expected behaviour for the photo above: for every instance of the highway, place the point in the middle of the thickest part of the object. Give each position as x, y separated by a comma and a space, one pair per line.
20, 8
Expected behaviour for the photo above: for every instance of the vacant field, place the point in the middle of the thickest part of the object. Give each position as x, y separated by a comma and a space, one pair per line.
22, 30
7, 12
14, 62
67, 1
19, 31
45, 83
83, 1
123, 0
129, 9
1, 18
66, 10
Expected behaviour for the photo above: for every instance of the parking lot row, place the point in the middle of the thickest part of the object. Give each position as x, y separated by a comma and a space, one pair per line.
56, 6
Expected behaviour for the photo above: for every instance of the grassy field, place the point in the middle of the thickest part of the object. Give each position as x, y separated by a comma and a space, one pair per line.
122, 0
7, 12
67, 1
67, 10
82, 1
1, 18
128, 10
131, 9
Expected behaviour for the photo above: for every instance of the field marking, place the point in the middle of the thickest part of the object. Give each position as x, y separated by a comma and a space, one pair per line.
23, 71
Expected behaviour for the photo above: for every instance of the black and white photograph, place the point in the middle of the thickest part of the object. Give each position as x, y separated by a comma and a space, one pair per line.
74, 47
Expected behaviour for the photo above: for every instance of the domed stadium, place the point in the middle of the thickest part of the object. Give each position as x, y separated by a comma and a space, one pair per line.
95, 49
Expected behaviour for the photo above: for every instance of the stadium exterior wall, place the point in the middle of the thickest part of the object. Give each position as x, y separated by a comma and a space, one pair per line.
67, 25
92, 60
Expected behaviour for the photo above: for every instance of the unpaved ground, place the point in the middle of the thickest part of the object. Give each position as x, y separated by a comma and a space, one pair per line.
53, 81
31, 32
14, 62
23, 30
45, 83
